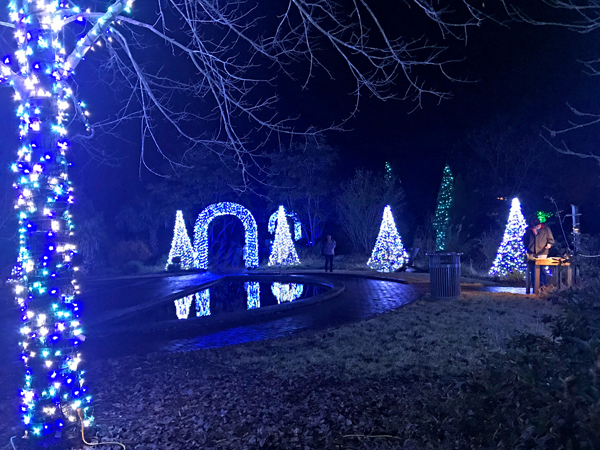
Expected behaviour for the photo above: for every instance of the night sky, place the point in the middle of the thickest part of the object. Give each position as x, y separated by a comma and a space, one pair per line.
518, 72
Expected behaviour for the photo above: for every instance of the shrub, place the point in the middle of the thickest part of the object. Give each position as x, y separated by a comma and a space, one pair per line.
130, 250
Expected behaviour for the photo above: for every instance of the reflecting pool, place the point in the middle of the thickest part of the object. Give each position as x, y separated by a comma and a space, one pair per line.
235, 296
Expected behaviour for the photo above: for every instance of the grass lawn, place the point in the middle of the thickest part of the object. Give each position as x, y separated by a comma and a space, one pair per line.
389, 382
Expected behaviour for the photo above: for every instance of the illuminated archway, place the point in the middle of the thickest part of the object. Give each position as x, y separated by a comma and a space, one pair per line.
225, 209
294, 217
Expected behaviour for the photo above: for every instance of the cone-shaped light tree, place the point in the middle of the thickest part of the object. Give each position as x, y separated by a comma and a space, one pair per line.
442, 211
181, 246
511, 254
283, 252
388, 254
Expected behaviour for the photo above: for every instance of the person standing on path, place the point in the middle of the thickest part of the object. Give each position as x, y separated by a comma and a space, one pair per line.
537, 241
329, 251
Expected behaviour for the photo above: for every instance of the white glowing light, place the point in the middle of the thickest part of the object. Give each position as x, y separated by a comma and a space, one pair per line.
389, 253
181, 245
294, 217
283, 252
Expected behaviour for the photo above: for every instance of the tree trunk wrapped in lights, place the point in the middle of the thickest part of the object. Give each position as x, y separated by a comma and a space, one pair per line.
511, 254
54, 393
389, 254
283, 252
181, 246
442, 211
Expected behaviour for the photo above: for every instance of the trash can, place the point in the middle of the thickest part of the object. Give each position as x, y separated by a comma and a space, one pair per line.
444, 274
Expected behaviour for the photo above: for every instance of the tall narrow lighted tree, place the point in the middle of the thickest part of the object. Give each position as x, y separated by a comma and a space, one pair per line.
283, 252
181, 246
511, 254
389, 253
442, 210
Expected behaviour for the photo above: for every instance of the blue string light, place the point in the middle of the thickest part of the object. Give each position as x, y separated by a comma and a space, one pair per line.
224, 209
511, 253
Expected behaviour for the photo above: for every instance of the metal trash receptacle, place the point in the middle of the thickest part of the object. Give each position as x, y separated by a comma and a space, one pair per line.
444, 274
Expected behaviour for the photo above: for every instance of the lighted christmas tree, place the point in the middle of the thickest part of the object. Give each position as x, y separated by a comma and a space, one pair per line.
283, 252
388, 254
442, 211
181, 246
511, 254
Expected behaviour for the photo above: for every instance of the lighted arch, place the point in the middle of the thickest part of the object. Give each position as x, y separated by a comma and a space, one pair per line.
294, 217
225, 209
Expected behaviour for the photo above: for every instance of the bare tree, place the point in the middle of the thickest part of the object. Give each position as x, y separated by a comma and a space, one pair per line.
220, 60
582, 17
360, 206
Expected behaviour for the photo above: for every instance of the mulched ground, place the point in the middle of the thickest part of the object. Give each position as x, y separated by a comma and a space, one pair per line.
388, 382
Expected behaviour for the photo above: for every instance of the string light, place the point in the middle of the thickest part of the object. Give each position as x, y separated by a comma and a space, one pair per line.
181, 246
293, 216
442, 211
283, 252
54, 387
388, 254
253, 294
543, 216
287, 292
202, 301
511, 254
223, 209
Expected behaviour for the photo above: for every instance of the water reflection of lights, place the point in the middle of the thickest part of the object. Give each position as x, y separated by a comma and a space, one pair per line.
202, 300
287, 292
203, 303
253, 290
182, 306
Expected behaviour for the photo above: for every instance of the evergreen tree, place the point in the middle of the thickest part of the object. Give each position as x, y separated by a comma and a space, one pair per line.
442, 211
388, 254
181, 246
283, 252
511, 254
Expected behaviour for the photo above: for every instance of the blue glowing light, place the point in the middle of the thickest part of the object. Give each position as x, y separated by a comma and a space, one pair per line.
511, 253
224, 209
